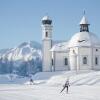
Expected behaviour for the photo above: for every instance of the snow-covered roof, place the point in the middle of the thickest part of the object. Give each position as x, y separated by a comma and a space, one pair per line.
46, 18
84, 21
84, 39
60, 47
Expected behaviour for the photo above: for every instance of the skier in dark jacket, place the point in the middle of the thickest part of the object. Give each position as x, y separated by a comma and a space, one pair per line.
31, 81
66, 85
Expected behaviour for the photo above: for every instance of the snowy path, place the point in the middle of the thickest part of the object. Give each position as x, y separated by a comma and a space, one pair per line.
45, 92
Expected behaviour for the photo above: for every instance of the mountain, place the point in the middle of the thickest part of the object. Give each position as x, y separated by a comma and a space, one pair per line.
21, 55
25, 51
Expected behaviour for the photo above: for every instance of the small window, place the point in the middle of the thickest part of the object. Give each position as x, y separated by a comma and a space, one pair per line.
84, 60
66, 61
96, 49
96, 60
46, 34
52, 62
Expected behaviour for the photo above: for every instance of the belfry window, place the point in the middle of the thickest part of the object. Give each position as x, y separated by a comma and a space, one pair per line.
84, 60
66, 61
96, 60
46, 34
84, 25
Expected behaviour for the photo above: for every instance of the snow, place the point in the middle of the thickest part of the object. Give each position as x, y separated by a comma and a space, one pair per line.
60, 47
85, 85
16, 92
88, 39
84, 21
12, 79
25, 55
46, 18
23, 51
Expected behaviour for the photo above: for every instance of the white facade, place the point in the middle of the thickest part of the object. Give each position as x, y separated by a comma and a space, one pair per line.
81, 52
46, 43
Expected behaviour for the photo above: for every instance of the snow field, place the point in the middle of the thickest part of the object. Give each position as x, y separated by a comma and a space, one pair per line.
34, 92
85, 85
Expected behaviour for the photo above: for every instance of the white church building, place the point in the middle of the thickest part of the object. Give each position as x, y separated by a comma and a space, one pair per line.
81, 52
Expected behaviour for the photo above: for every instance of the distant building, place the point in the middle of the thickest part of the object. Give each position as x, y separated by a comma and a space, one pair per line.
81, 52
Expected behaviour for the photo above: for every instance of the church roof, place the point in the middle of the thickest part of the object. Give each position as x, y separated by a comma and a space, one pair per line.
63, 46
84, 21
84, 39
46, 18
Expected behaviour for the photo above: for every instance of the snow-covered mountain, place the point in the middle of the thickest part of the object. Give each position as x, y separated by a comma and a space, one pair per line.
23, 56
25, 51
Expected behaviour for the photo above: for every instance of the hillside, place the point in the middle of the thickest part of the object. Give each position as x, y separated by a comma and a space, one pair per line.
47, 86
79, 78
56, 78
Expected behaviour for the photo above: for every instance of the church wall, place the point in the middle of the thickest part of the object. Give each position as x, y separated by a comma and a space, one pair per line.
91, 54
46, 55
85, 52
59, 58
96, 53
73, 58
48, 29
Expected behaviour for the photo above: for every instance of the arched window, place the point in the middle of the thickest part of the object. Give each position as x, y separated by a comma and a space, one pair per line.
66, 61
84, 60
46, 34
96, 60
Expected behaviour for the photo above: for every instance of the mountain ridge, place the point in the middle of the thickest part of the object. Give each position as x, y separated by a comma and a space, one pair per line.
23, 59
25, 49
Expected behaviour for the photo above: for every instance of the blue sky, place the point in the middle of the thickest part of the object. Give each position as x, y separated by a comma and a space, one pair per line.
20, 20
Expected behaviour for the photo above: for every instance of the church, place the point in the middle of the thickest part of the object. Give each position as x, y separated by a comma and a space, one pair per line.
81, 52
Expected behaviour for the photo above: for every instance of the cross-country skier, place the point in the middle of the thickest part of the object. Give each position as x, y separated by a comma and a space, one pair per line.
66, 85
31, 81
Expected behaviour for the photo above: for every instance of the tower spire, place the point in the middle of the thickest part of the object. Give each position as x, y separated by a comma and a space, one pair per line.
84, 24
84, 12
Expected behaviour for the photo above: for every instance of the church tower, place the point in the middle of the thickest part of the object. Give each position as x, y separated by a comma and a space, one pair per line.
84, 25
46, 43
